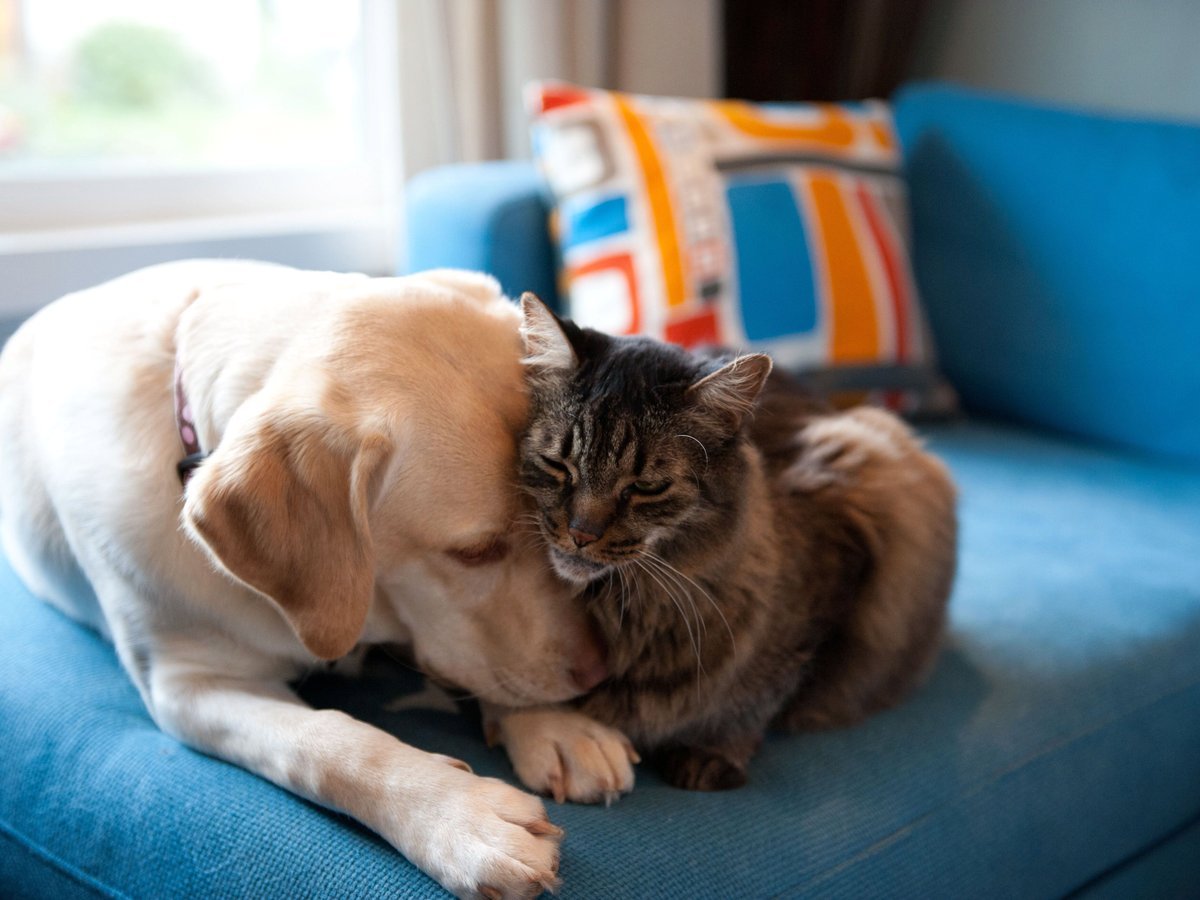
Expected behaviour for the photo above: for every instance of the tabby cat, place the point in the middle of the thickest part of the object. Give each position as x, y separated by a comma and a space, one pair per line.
751, 560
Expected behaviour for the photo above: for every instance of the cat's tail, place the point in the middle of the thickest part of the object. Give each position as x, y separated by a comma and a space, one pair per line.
868, 468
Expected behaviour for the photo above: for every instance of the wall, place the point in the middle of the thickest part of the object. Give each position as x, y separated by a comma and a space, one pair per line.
669, 47
1129, 56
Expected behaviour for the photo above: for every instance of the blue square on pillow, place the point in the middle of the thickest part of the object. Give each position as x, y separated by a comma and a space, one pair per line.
592, 220
774, 272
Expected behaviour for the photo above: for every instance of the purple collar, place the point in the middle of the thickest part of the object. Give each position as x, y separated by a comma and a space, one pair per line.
184, 421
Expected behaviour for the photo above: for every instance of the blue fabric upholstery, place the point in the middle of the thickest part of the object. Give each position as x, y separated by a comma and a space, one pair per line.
1056, 254
1058, 736
1168, 870
488, 217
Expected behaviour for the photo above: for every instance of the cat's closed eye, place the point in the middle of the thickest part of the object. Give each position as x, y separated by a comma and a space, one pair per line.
649, 487
556, 466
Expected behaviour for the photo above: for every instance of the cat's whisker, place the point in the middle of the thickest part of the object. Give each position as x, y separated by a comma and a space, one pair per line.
624, 594
707, 596
527, 533
668, 571
693, 639
524, 533
679, 608
528, 540
676, 593
683, 592
527, 520
702, 447
676, 576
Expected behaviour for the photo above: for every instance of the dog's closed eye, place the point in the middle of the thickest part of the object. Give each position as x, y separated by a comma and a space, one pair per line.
481, 554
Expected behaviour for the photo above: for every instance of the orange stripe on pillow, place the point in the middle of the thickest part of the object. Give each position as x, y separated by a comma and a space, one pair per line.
835, 131
855, 335
659, 200
883, 135
897, 286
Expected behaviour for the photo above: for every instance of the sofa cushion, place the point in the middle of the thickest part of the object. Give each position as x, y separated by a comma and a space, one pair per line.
777, 227
1057, 736
1056, 252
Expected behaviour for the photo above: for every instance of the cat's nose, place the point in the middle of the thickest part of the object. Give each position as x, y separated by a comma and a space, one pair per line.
581, 537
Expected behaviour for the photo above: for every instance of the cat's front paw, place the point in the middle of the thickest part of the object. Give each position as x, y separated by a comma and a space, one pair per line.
696, 769
565, 754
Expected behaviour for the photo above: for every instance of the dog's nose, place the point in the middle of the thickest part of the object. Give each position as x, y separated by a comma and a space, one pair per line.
582, 533
591, 666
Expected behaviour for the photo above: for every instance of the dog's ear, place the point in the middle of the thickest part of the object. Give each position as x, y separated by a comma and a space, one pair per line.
282, 506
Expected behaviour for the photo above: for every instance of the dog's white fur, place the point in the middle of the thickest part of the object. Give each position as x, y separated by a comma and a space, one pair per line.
364, 429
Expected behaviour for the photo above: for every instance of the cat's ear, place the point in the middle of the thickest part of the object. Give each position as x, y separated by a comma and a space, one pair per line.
547, 347
731, 392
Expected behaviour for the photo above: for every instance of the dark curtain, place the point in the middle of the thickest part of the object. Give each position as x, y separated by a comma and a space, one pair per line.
818, 49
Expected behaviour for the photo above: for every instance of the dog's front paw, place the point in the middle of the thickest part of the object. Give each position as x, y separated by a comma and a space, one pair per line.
480, 837
566, 755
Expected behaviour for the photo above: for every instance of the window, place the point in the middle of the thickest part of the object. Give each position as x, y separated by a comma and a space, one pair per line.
133, 122
107, 87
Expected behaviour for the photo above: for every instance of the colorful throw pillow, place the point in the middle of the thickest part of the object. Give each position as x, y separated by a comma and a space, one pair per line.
776, 227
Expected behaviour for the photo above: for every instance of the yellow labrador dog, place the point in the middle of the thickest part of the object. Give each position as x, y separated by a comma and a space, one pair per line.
353, 444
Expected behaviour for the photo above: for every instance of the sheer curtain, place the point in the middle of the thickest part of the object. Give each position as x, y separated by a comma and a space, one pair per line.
463, 64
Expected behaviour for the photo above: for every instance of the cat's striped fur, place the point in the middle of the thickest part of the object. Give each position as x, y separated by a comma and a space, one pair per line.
751, 559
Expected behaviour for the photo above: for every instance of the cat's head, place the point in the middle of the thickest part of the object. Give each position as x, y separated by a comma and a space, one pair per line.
633, 444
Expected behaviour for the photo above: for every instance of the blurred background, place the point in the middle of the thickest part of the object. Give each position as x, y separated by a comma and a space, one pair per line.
133, 131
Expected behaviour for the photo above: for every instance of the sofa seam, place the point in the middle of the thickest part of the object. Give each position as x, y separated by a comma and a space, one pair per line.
1133, 858
1048, 751
61, 865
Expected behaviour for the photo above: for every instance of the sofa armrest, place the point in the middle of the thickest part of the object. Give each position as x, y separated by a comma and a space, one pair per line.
490, 217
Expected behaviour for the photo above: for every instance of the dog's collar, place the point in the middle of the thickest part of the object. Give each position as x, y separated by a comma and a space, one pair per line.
184, 421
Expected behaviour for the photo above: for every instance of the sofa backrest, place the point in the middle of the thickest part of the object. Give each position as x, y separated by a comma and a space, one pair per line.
490, 216
1058, 254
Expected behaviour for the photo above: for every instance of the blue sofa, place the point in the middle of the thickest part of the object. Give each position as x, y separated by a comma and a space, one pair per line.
1056, 748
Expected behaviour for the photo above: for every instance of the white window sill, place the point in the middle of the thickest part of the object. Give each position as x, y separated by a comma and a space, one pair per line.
37, 267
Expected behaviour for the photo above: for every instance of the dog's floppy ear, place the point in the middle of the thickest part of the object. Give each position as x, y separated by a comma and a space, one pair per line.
282, 506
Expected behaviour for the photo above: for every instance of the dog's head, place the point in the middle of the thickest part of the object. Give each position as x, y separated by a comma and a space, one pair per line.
369, 490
